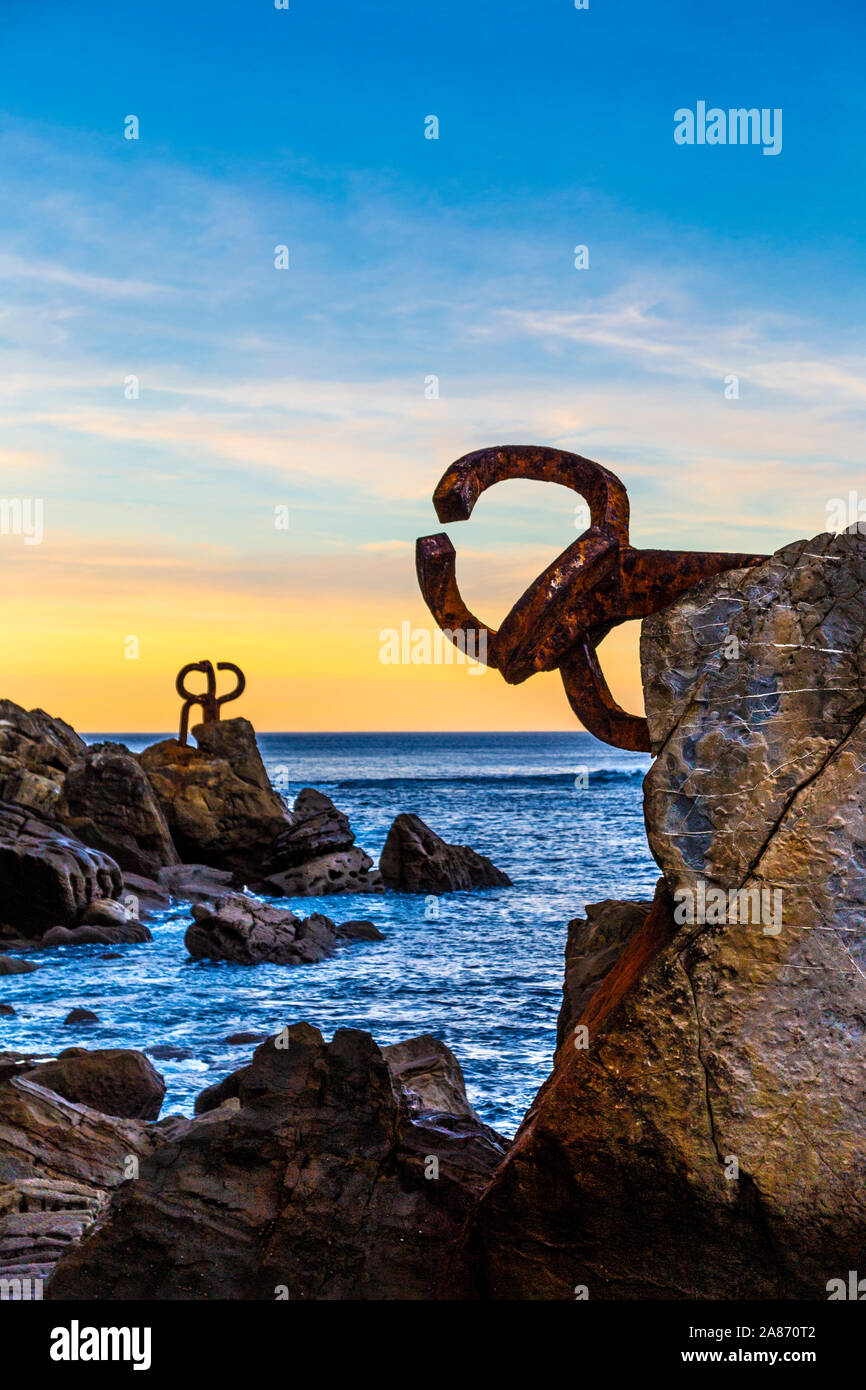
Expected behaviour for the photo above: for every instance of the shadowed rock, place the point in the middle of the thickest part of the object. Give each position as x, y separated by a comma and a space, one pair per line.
415, 860
108, 802
115, 1081
47, 876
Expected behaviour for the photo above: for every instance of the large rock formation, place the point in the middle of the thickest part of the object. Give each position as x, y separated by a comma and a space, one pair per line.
35, 753
48, 877
243, 930
115, 1081
415, 859
313, 1182
216, 798
316, 853
706, 1135
108, 802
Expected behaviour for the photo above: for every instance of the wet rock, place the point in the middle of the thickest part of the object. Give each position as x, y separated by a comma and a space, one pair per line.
235, 1039
246, 931
594, 945
97, 936
108, 803
114, 1081
314, 1182
316, 853
47, 877
415, 860
79, 1016
6, 1010
11, 965
144, 896
196, 883
170, 1052
220, 807
710, 1141
359, 931
430, 1076
35, 753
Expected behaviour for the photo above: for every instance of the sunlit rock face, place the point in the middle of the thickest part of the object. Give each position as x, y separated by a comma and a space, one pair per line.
706, 1134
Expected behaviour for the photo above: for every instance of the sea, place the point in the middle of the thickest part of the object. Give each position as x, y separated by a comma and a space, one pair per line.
561, 813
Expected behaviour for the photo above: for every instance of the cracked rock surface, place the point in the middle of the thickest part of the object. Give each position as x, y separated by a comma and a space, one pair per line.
710, 1141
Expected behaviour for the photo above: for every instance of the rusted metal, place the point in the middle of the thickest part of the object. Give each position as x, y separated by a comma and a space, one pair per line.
596, 583
209, 700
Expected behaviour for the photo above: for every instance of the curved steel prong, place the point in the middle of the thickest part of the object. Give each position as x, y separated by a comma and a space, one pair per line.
239, 688
436, 566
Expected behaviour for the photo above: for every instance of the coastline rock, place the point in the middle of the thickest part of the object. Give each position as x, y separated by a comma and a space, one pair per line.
710, 1142
11, 965
114, 1081
310, 1184
44, 1136
39, 1218
594, 945
316, 853
220, 808
108, 803
430, 1076
47, 877
415, 859
35, 753
196, 883
92, 935
245, 931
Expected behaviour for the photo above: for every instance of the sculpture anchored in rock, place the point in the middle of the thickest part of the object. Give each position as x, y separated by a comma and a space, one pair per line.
209, 700
596, 583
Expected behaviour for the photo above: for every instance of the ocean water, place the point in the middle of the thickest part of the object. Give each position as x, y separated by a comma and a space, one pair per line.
485, 974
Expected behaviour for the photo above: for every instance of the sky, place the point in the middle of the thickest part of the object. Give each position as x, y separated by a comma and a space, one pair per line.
166, 392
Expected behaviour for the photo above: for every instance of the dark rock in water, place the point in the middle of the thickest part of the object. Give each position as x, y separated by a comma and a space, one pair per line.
35, 753
415, 860
144, 896
316, 853
7, 1010
11, 965
108, 802
97, 936
112, 955
47, 877
430, 1076
359, 931
234, 1039
593, 947
245, 931
710, 1140
80, 1016
115, 1081
217, 800
197, 883
314, 1182
169, 1052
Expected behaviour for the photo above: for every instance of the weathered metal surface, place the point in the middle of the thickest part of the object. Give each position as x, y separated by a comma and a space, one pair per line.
596, 583
209, 700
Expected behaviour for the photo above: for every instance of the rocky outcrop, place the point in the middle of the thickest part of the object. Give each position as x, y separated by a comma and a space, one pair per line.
316, 853
108, 803
415, 860
430, 1076
115, 1081
35, 754
593, 946
13, 965
709, 1139
220, 807
314, 1182
47, 876
39, 1219
246, 931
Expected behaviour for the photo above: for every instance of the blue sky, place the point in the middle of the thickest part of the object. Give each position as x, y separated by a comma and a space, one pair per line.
410, 257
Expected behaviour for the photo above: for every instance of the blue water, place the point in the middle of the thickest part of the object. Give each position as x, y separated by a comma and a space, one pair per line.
485, 976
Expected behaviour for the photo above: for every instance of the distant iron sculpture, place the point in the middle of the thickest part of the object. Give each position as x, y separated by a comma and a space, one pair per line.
597, 583
209, 701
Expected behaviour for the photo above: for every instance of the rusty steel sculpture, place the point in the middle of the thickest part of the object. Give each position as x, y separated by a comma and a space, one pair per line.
597, 583
209, 701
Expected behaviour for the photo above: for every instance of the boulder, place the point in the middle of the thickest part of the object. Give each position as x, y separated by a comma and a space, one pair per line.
115, 1081
415, 860
245, 931
42, 1135
593, 946
47, 876
35, 753
220, 807
710, 1141
430, 1076
78, 1015
12, 965
92, 935
108, 802
316, 853
313, 1182
196, 883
